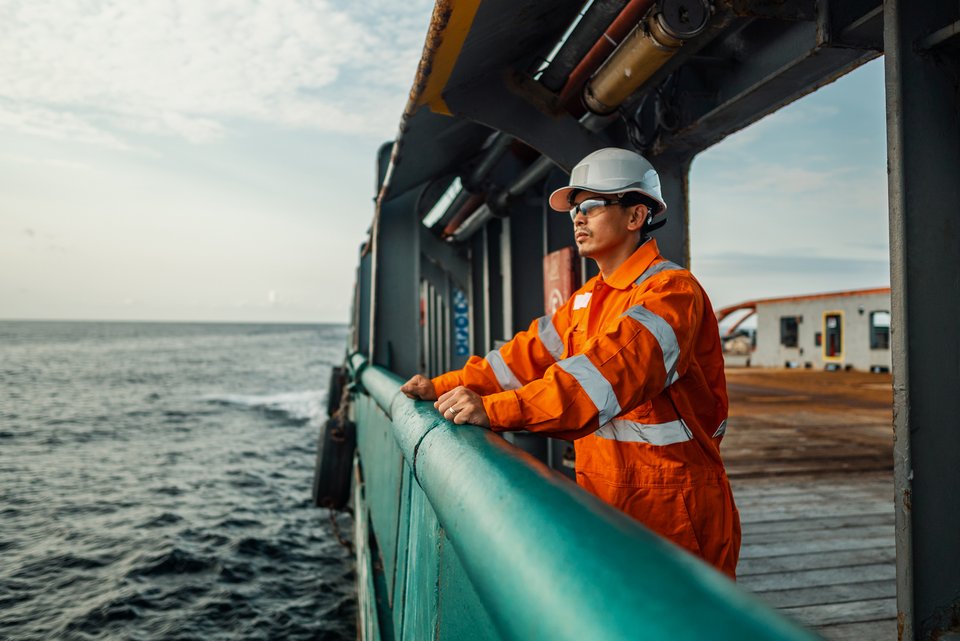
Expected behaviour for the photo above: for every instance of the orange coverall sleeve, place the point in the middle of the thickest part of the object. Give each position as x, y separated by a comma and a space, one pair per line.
516, 363
630, 361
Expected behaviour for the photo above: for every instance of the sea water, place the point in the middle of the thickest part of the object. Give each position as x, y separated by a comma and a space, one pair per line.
155, 483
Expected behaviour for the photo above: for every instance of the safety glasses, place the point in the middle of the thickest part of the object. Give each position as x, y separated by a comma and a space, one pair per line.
590, 206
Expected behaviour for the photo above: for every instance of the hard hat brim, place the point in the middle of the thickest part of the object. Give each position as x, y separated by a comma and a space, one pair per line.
560, 199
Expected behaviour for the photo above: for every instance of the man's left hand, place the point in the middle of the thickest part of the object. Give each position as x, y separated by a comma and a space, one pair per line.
462, 405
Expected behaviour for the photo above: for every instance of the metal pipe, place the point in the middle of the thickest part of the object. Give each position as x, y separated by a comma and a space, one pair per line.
470, 205
498, 203
474, 222
451, 200
497, 148
531, 176
589, 27
470, 196
647, 48
602, 48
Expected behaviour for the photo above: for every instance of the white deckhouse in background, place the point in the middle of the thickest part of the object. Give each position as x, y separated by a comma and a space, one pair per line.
837, 330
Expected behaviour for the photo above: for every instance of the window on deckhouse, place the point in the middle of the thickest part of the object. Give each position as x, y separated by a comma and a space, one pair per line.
789, 331
880, 330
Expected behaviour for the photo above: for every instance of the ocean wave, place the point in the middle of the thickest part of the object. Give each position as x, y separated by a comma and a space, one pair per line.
172, 561
176, 504
306, 405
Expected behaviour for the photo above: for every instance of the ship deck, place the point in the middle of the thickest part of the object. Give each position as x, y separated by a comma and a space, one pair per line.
809, 455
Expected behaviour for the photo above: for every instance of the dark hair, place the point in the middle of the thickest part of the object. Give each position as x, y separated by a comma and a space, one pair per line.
632, 198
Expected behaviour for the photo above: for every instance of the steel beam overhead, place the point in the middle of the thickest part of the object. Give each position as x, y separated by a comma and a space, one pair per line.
759, 67
492, 102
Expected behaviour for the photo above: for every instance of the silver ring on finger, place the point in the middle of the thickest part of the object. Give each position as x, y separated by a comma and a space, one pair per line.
453, 410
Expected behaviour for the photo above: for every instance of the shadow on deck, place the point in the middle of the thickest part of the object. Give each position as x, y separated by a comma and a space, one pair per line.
810, 458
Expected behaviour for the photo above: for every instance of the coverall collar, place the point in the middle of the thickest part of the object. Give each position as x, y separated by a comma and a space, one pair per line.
625, 275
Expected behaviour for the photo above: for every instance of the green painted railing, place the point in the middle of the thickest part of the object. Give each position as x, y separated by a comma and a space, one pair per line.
545, 559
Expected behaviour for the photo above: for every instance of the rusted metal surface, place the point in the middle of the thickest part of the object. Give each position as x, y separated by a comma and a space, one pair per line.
442, 11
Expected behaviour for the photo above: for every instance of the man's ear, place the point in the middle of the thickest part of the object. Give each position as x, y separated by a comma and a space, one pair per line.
638, 216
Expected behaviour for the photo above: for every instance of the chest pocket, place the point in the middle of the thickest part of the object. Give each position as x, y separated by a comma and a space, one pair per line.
577, 334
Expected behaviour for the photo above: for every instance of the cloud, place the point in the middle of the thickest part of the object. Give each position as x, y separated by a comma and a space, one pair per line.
95, 71
38, 120
799, 113
745, 263
776, 179
41, 161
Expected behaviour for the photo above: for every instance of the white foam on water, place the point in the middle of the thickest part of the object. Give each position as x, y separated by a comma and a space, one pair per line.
304, 405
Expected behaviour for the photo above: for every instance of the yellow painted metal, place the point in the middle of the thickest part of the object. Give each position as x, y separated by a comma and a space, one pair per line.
449, 27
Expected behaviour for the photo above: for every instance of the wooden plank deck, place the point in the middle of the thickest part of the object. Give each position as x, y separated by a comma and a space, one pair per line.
810, 458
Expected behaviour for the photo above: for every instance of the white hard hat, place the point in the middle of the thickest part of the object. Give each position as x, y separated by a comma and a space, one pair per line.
612, 171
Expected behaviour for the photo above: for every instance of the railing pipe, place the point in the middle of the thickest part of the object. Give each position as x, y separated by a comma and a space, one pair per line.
550, 561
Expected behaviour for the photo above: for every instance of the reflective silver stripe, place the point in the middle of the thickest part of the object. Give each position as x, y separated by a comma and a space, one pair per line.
652, 434
505, 375
721, 430
665, 266
597, 387
665, 336
549, 337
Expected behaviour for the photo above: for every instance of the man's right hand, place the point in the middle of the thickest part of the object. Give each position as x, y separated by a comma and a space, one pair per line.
419, 387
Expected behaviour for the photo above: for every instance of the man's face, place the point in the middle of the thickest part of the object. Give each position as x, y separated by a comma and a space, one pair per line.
606, 228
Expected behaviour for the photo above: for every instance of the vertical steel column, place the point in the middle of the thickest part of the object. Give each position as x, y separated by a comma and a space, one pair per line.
527, 250
362, 304
425, 355
506, 279
557, 228
485, 266
923, 137
526, 231
396, 287
430, 303
674, 238
478, 292
494, 284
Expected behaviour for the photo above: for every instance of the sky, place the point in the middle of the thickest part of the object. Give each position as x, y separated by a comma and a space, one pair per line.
797, 202
214, 161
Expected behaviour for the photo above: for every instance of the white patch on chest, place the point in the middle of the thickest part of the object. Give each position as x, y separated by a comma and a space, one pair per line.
580, 300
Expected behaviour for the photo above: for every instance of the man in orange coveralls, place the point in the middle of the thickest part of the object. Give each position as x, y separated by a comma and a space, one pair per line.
630, 368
